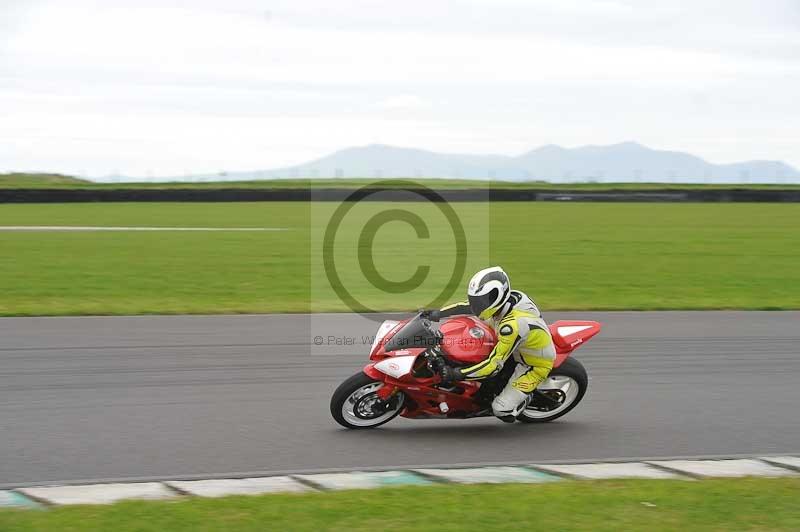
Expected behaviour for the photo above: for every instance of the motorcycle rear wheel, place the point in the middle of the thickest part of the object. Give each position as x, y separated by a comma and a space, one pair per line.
568, 383
353, 401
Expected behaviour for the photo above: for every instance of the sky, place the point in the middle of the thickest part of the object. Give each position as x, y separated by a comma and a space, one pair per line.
173, 88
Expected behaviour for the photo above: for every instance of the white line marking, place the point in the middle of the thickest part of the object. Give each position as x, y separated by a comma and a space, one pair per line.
606, 471
112, 492
793, 455
744, 467
363, 479
99, 493
487, 475
237, 486
101, 228
791, 462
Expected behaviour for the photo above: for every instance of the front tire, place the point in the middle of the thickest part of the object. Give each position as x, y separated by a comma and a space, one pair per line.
566, 385
353, 401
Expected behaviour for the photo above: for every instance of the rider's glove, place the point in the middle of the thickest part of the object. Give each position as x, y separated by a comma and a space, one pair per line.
450, 374
433, 315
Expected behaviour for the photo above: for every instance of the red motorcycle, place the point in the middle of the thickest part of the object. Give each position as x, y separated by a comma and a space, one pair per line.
403, 377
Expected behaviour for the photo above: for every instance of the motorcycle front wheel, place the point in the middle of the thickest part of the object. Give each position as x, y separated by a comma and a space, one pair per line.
355, 403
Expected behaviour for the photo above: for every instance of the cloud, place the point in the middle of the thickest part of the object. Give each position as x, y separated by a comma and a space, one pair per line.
99, 86
403, 102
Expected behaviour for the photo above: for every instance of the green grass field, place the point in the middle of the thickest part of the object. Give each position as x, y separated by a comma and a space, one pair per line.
653, 505
55, 181
568, 256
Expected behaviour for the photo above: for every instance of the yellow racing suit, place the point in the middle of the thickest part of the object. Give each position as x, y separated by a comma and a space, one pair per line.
521, 334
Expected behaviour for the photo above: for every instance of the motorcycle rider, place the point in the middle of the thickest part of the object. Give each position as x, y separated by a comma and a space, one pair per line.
522, 335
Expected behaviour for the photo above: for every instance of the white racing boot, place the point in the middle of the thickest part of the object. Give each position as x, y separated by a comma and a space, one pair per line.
508, 405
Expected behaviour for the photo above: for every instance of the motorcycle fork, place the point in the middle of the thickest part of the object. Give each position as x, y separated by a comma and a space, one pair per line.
386, 392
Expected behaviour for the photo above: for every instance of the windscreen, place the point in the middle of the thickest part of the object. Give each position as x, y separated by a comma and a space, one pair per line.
415, 333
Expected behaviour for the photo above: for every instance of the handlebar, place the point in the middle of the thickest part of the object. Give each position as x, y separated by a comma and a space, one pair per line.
435, 361
426, 324
430, 314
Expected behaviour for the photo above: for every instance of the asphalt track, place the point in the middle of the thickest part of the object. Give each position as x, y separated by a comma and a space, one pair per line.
180, 397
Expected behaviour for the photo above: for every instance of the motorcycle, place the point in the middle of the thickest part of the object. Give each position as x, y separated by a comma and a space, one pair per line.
406, 357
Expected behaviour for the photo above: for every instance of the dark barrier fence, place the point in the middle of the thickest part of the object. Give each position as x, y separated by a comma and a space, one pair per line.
336, 194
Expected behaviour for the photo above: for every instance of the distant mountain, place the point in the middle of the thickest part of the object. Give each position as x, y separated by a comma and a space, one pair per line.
623, 162
627, 161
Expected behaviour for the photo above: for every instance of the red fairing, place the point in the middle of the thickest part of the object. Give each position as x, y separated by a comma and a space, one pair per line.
373, 373
378, 352
568, 335
467, 339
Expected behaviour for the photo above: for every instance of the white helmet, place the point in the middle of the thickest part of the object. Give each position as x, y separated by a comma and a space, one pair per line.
488, 291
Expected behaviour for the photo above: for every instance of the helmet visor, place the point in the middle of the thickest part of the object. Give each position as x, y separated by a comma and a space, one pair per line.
480, 304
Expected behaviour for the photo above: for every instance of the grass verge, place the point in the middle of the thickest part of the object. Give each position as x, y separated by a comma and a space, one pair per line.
740, 504
567, 256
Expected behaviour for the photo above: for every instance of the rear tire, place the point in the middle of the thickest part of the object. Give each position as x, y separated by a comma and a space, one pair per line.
570, 373
360, 387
